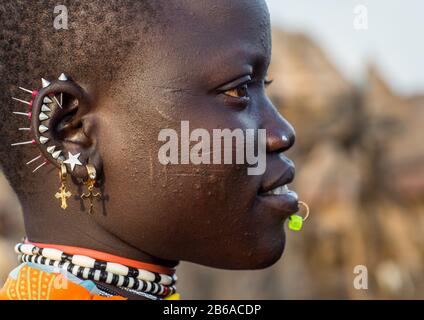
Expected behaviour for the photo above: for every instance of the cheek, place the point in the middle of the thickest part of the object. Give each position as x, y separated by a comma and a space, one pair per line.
201, 213
212, 218
203, 201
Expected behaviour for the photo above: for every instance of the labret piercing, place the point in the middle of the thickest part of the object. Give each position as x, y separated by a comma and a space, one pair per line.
296, 221
43, 116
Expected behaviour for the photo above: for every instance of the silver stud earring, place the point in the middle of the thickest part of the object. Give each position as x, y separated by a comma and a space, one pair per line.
73, 160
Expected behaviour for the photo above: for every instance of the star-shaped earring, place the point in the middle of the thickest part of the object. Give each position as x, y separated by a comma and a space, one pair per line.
73, 160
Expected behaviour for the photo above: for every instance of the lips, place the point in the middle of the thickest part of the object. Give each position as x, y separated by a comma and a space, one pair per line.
275, 194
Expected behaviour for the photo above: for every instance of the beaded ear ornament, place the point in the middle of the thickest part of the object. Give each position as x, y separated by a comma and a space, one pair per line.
39, 126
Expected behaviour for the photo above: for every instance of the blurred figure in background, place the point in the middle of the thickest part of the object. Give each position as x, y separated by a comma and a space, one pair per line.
360, 164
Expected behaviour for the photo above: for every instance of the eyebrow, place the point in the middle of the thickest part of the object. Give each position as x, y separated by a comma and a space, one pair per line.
237, 63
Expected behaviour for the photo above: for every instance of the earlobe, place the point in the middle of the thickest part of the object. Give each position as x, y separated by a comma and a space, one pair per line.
59, 125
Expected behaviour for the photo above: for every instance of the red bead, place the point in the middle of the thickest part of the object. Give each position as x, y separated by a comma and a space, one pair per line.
30, 115
34, 93
34, 142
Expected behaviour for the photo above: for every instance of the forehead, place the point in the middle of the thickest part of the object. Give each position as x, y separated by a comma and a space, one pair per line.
213, 36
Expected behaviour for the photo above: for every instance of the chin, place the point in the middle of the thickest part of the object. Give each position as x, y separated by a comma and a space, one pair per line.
266, 256
263, 254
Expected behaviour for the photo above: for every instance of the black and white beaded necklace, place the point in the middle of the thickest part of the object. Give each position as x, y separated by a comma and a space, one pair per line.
141, 282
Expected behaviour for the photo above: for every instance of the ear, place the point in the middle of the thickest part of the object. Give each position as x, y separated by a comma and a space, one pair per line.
64, 126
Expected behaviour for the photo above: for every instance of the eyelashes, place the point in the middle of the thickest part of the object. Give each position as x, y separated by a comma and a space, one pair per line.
268, 82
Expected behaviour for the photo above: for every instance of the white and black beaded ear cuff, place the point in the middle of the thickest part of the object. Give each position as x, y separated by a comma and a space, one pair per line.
40, 108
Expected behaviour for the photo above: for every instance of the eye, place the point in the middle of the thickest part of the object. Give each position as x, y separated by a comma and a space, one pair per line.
238, 92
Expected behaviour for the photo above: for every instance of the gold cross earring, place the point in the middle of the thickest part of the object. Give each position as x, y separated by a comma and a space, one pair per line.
62, 194
90, 182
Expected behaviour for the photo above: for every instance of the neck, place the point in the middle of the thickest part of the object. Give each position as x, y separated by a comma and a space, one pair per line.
149, 263
88, 235
45, 222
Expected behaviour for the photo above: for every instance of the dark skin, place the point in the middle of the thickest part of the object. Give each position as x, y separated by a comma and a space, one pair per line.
213, 215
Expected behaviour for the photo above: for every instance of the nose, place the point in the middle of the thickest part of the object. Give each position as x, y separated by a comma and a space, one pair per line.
280, 135
279, 140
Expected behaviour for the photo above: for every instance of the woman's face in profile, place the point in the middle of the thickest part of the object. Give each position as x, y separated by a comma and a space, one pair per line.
209, 68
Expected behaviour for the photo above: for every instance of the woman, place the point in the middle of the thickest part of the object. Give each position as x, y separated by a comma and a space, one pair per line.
117, 221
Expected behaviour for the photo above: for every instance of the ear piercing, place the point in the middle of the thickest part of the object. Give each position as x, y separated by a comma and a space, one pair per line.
47, 100
63, 194
42, 116
62, 77
73, 160
296, 221
34, 93
42, 140
23, 101
35, 159
27, 114
40, 166
43, 128
45, 84
90, 182
46, 108
23, 143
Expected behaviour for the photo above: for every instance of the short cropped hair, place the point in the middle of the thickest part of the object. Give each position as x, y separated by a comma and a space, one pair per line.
99, 35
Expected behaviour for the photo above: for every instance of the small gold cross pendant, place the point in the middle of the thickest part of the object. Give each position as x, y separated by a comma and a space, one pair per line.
63, 195
90, 195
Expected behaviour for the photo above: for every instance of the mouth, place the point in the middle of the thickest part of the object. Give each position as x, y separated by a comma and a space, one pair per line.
278, 191
279, 197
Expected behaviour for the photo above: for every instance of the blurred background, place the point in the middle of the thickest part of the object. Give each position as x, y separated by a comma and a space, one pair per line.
349, 75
